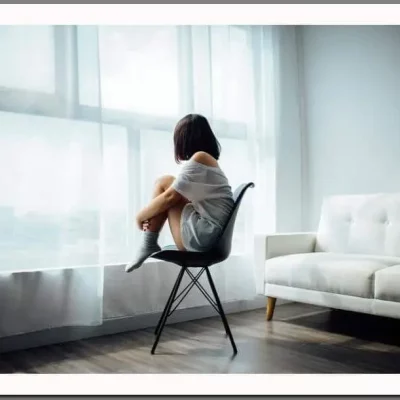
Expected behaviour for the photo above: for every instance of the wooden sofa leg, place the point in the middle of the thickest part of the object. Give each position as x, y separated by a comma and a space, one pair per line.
271, 301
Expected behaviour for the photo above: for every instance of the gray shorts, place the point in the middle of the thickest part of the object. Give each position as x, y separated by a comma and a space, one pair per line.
198, 234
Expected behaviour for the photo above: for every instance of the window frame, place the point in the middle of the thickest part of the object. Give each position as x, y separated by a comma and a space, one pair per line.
64, 103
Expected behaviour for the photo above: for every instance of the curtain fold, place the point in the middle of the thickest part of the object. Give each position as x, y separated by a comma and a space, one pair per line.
51, 184
87, 115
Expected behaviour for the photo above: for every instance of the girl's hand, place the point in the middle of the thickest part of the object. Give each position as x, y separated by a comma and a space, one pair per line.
146, 225
139, 223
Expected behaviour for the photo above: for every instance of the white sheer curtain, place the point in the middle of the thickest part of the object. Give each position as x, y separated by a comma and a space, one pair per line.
51, 179
87, 115
151, 77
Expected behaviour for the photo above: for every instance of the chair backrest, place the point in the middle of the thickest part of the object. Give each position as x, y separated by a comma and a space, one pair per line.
222, 248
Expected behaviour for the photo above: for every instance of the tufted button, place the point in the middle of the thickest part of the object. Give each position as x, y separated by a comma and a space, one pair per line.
383, 219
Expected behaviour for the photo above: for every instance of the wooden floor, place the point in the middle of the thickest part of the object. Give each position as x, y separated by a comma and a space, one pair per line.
300, 339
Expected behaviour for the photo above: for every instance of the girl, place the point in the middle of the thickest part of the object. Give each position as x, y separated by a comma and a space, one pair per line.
197, 203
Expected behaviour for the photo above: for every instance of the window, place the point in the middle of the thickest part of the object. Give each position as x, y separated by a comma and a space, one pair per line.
231, 73
139, 69
87, 115
49, 197
27, 58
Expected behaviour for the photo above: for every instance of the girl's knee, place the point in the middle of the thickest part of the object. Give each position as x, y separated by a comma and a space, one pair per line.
165, 181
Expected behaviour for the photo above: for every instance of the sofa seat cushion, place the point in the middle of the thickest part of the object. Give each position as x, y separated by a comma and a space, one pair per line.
387, 284
346, 274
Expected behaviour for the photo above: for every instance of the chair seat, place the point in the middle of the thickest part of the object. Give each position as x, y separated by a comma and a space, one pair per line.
186, 258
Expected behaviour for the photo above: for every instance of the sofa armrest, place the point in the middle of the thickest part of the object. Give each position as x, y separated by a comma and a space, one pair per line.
279, 244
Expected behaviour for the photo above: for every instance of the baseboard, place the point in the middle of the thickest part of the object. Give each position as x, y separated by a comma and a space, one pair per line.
118, 325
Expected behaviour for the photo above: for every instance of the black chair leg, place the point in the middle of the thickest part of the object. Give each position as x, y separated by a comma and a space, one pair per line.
167, 305
168, 309
221, 310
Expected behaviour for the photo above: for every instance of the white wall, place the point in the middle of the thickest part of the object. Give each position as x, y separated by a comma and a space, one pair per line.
288, 132
352, 112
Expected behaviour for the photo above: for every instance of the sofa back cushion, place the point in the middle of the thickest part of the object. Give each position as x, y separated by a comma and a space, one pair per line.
360, 224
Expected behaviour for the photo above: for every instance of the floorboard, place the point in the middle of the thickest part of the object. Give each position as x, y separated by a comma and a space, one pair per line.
300, 339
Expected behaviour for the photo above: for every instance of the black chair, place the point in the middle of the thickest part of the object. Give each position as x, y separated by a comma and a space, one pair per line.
202, 260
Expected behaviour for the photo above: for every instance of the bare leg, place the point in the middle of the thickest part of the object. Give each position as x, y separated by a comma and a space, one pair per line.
161, 185
174, 220
173, 214
154, 226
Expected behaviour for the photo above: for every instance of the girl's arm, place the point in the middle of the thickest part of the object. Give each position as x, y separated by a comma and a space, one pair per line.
170, 197
158, 205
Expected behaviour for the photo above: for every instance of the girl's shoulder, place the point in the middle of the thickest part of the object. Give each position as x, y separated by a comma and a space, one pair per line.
204, 158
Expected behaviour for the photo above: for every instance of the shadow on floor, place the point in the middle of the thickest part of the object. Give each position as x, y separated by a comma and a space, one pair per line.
356, 325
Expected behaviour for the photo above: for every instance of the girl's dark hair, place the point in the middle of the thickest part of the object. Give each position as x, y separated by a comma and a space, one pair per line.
192, 134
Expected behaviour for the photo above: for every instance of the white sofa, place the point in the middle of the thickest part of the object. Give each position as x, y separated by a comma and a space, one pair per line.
351, 263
